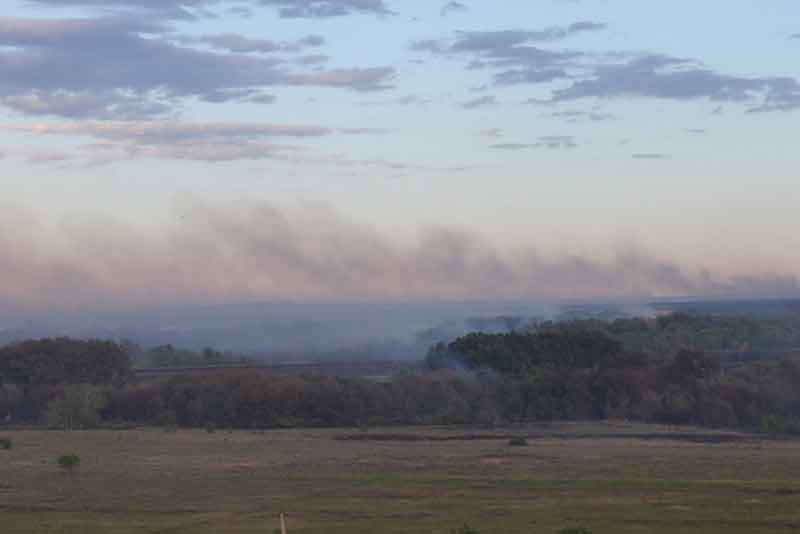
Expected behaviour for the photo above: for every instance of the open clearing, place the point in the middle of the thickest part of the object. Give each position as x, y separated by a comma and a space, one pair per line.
608, 478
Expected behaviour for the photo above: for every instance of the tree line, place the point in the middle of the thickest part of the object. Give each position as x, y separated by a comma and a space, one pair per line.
168, 356
578, 370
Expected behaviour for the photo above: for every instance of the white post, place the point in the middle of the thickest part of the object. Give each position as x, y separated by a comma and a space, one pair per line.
283, 524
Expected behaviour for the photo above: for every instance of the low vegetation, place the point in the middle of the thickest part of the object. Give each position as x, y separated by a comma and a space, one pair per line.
575, 530
609, 482
69, 462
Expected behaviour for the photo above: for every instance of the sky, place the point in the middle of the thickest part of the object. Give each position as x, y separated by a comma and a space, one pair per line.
155, 152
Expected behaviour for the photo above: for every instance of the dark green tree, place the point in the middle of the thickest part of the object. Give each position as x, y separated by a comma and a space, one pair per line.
69, 462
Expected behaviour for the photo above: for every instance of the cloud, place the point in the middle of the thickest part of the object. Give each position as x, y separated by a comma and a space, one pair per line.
228, 95
411, 99
161, 131
407, 100
511, 52
665, 77
514, 60
85, 104
782, 100
552, 142
586, 26
116, 140
193, 9
502, 43
213, 254
234, 42
171, 9
364, 131
342, 161
494, 133
72, 33
511, 146
48, 157
369, 79
313, 59
210, 141
327, 8
650, 155
698, 131
38, 155
577, 116
262, 99
241, 11
453, 7
133, 68
206, 151
480, 102
795, 36
556, 142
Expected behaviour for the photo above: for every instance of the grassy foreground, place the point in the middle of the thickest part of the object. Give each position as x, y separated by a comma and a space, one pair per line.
607, 478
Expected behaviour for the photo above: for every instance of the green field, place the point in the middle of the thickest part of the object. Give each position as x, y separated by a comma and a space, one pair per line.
606, 478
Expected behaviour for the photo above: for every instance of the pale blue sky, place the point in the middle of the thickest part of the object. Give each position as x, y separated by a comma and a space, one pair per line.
563, 126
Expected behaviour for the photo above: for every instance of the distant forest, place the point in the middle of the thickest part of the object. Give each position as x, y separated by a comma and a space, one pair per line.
711, 370
171, 356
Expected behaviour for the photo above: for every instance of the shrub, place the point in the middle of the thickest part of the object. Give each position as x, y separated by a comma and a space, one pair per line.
166, 418
465, 529
575, 530
518, 442
6, 444
68, 462
774, 425
211, 428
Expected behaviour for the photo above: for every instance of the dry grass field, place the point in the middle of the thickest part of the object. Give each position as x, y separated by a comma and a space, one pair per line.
606, 478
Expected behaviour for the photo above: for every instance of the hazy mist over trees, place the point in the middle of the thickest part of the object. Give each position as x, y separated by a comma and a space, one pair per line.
720, 371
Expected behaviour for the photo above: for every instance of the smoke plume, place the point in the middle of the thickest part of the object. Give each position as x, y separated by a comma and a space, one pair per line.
212, 255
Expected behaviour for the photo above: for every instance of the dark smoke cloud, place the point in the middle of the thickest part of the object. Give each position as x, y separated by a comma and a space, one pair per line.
213, 255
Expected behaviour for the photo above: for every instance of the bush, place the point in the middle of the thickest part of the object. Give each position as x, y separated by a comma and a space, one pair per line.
166, 418
68, 462
518, 442
575, 530
465, 529
774, 425
6, 444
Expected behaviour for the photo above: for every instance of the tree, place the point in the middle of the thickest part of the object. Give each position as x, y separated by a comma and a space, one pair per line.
78, 408
60, 361
10, 399
690, 364
69, 462
570, 346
